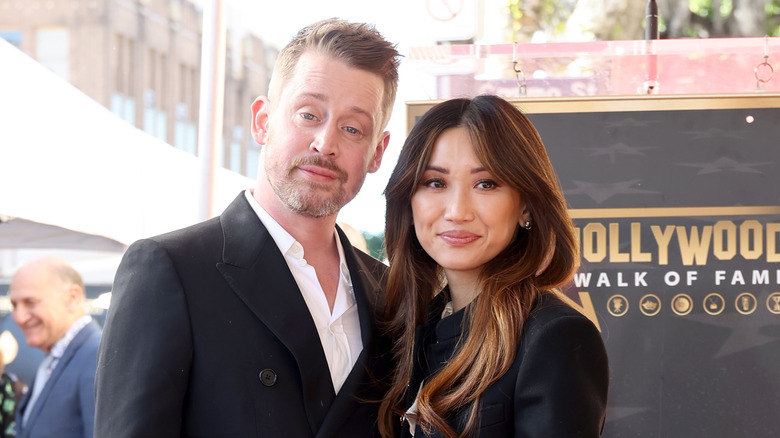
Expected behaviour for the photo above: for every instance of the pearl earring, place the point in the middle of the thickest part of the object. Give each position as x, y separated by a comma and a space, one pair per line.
527, 225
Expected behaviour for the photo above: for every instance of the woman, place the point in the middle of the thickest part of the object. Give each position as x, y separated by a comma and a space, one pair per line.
11, 391
478, 229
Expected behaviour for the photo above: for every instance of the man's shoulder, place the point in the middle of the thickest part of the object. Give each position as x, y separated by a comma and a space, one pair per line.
237, 211
87, 339
377, 268
194, 231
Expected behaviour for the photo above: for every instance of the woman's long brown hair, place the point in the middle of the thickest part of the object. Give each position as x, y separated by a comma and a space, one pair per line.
536, 260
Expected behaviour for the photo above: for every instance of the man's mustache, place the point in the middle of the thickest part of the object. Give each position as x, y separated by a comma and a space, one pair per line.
320, 162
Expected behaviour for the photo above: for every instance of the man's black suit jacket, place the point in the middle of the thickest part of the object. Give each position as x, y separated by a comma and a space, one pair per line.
208, 335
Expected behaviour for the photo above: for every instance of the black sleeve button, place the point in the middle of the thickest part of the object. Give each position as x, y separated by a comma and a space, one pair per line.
268, 377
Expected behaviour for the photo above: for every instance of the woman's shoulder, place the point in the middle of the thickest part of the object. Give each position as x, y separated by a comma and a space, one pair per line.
551, 314
551, 305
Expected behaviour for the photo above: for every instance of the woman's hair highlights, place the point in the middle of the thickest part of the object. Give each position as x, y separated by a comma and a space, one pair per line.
536, 260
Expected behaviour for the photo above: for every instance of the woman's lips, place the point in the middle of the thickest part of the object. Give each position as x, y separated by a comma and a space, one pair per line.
458, 237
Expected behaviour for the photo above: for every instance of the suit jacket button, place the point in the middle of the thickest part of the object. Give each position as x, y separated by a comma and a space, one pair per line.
268, 377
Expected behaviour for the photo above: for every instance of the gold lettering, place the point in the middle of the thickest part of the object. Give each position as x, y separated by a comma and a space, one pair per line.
615, 256
724, 248
772, 248
636, 244
694, 249
663, 238
751, 249
594, 242
724, 240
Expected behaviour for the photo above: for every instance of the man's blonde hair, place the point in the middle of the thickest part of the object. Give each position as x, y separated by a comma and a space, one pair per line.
358, 45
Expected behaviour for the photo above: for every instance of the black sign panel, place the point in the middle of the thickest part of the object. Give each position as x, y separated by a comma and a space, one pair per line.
677, 206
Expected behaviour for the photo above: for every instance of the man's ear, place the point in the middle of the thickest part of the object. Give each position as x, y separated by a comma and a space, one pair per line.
260, 117
74, 296
381, 145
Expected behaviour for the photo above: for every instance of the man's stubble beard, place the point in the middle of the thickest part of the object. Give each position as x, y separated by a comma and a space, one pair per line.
307, 197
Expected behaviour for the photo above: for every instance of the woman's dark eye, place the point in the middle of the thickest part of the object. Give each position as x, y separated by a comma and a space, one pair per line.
487, 185
434, 183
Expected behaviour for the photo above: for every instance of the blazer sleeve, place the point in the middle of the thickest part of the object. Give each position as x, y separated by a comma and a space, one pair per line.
561, 388
146, 349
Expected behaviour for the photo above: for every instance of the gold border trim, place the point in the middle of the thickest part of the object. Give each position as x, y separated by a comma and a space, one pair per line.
581, 104
616, 213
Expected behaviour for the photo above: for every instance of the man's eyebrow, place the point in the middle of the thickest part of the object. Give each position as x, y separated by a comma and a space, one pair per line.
323, 98
313, 95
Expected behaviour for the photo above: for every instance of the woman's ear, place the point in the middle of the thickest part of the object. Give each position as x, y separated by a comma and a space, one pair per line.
525, 219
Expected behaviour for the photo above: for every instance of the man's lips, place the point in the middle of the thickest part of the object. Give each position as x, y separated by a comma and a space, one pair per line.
458, 237
30, 328
318, 172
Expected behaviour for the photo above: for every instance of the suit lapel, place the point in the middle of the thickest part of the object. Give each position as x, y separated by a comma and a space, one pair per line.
367, 295
20, 430
256, 271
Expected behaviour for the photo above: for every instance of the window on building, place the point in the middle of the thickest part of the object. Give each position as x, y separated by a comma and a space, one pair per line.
12, 36
252, 159
122, 99
185, 131
155, 119
52, 50
236, 157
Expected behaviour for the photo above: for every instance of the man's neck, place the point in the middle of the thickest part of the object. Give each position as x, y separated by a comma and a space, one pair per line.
311, 232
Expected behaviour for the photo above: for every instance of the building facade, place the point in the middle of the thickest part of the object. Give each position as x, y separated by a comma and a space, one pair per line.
141, 59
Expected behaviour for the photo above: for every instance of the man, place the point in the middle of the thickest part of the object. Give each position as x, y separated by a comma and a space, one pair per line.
263, 321
49, 306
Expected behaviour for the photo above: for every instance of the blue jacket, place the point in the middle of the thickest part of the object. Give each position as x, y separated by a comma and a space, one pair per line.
66, 406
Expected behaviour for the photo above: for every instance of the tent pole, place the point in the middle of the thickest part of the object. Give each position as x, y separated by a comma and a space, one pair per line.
211, 107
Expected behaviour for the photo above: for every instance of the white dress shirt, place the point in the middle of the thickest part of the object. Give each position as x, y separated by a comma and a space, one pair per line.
339, 331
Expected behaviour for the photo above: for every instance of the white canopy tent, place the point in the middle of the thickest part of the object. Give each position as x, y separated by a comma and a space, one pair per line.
75, 176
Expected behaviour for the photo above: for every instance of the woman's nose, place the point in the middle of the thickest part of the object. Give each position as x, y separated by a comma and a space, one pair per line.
459, 206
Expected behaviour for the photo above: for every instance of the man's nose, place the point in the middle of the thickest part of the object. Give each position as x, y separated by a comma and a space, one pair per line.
20, 315
326, 140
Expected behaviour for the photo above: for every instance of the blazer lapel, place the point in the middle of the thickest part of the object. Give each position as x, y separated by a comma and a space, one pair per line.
20, 430
57, 372
361, 380
256, 271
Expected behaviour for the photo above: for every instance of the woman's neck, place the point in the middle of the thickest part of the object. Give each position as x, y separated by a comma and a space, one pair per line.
463, 289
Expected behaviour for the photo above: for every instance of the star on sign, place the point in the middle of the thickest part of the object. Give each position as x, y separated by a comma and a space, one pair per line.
724, 164
630, 122
620, 412
715, 133
746, 331
617, 149
601, 192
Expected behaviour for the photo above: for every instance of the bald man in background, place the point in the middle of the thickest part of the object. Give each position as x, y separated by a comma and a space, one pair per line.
49, 305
